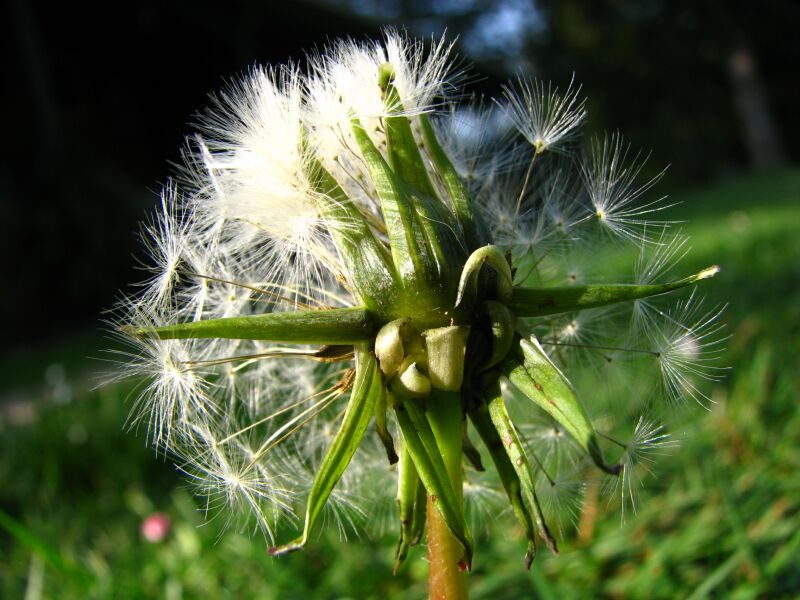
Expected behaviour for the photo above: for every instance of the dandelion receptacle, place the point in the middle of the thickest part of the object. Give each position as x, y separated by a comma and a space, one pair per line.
366, 292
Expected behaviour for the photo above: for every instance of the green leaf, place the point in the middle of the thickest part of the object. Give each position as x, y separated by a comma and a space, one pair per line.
538, 302
541, 381
508, 475
427, 456
469, 219
367, 388
334, 326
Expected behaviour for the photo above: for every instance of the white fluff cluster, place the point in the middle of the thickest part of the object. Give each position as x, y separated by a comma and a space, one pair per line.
242, 233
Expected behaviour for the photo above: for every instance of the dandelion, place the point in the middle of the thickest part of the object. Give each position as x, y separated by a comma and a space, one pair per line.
545, 117
648, 440
353, 308
614, 190
687, 346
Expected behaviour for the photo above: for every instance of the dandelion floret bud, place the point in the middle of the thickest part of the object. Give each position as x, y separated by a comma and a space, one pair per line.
446, 347
410, 380
389, 347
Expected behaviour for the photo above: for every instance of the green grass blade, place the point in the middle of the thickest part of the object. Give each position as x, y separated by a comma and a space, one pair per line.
41, 548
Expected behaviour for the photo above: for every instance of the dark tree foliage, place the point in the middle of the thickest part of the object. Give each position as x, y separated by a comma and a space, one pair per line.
661, 71
667, 73
96, 103
98, 100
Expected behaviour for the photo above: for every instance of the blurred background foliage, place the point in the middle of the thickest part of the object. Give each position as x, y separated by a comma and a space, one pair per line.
96, 105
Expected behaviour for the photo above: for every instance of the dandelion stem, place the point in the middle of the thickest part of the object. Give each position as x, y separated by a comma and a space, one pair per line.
447, 577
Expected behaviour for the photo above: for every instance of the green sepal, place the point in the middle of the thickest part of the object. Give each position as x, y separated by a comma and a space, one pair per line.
390, 344
442, 236
519, 460
381, 406
468, 283
538, 378
539, 302
411, 505
446, 419
435, 218
422, 234
335, 326
404, 156
428, 459
406, 239
471, 453
410, 380
360, 408
469, 219
370, 270
420, 515
508, 475
502, 324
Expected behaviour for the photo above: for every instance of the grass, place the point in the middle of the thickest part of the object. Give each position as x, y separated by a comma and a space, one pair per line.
721, 520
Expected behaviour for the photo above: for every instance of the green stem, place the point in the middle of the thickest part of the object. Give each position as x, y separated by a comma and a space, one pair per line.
447, 577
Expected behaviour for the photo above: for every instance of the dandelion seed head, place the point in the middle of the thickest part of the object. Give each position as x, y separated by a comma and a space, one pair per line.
224, 473
251, 192
561, 493
477, 139
165, 239
546, 118
172, 393
688, 342
648, 440
611, 180
249, 230
484, 502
